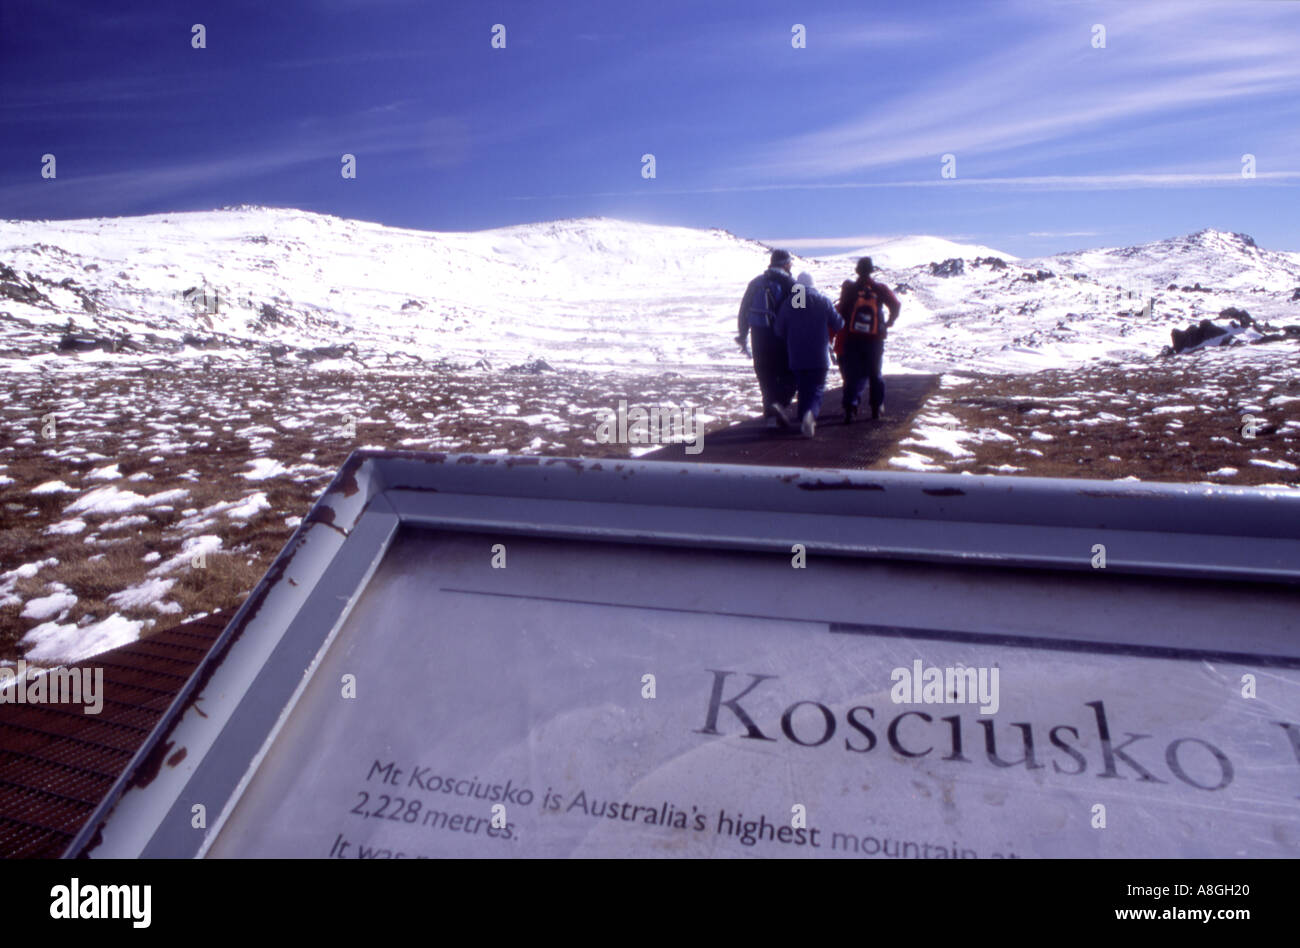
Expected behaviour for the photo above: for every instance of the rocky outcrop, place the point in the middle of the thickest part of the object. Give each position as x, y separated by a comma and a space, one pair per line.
951, 267
535, 367
14, 287
321, 353
1195, 335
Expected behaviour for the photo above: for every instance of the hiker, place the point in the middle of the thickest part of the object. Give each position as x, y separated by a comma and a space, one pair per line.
860, 346
758, 308
806, 322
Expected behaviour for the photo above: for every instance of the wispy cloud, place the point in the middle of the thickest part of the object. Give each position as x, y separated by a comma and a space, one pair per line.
1054, 87
1094, 182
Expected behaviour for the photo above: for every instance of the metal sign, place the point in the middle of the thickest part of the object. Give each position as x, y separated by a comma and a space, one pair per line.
470, 656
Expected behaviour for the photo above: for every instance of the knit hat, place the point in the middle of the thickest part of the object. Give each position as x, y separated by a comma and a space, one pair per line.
805, 278
779, 258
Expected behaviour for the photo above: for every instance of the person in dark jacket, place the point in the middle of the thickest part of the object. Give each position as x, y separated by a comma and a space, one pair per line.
806, 322
763, 298
861, 346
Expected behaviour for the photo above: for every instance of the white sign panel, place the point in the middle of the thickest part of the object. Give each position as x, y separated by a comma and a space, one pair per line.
550, 697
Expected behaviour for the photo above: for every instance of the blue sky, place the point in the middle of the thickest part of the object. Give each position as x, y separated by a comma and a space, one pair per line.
1057, 144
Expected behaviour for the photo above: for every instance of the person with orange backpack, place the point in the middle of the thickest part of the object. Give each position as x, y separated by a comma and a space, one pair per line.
860, 345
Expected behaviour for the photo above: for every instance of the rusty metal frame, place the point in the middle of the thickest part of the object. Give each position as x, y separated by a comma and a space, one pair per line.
215, 734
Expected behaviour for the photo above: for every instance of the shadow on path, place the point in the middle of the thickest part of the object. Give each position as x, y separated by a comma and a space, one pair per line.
855, 446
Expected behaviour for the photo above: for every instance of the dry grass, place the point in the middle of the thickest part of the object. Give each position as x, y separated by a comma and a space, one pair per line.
1057, 425
198, 429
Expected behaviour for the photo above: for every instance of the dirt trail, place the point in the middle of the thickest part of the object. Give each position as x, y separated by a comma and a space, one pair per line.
837, 445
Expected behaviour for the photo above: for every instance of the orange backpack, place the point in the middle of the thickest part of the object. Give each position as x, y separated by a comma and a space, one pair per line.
860, 307
864, 318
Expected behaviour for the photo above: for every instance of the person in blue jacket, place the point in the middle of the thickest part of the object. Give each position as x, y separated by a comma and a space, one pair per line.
763, 297
806, 322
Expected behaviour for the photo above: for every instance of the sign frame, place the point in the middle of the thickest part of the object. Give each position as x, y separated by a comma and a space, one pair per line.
214, 736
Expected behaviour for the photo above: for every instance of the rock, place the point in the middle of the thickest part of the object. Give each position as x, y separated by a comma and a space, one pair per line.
1296, 295
14, 287
535, 367
270, 314
1172, 286
321, 353
1194, 335
412, 304
199, 342
75, 343
1239, 316
1039, 275
953, 266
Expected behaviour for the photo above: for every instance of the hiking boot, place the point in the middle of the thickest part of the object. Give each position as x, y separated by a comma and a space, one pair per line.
849, 414
772, 422
875, 413
779, 416
809, 426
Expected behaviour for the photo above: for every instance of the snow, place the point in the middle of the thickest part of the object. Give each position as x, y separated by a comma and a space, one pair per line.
903, 252
66, 527
122, 523
1280, 465
45, 607
146, 593
264, 468
53, 487
55, 643
106, 473
191, 548
249, 506
110, 500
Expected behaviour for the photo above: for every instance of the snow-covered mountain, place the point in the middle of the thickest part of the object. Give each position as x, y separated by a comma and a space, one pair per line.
899, 253
592, 293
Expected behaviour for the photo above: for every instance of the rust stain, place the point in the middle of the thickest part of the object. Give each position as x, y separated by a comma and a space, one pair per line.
176, 758
151, 764
324, 515
944, 491
842, 485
